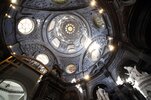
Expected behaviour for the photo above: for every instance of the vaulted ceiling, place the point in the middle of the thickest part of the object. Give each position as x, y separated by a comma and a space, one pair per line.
88, 39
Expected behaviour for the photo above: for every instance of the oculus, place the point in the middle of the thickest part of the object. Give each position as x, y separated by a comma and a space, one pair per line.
26, 26
67, 32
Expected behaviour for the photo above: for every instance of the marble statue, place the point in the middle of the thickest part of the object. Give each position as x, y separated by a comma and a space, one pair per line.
101, 94
141, 81
134, 74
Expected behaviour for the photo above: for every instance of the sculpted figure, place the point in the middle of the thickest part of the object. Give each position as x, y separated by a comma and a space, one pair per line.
134, 74
101, 94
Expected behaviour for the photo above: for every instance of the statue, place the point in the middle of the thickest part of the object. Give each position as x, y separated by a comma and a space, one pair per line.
134, 74
141, 81
101, 94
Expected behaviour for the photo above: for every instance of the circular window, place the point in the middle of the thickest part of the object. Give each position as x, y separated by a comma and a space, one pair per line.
26, 26
43, 58
71, 68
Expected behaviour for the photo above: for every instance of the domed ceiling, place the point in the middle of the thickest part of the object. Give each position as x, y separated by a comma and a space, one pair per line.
75, 34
